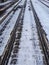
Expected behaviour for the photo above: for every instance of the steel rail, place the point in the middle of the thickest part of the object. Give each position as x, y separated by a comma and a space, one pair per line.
4, 17
7, 51
42, 35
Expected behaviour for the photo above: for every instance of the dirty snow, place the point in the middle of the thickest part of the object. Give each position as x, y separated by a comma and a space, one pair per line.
6, 33
5, 21
9, 10
29, 50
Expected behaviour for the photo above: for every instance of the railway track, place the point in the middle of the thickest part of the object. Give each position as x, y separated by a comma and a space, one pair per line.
6, 24
5, 21
4, 6
7, 51
21, 48
26, 38
9, 10
44, 3
42, 36
25, 45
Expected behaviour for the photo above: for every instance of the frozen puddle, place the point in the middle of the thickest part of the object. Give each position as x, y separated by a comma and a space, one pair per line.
29, 52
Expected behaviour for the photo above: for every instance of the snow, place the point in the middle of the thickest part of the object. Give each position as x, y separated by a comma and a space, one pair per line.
10, 15
6, 33
43, 14
5, 21
2, 18
29, 50
5, 3
22, 2
7, 11
45, 2
27, 54
11, 9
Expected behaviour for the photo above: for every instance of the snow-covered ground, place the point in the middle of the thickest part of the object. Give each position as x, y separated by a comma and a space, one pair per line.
5, 3
29, 50
9, 10
6, 33
45, 2
43, 14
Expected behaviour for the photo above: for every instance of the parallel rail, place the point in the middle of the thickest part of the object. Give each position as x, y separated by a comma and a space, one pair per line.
42, 35
43, 3
6, 15
6, 5
7, 51
18, 26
